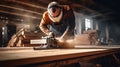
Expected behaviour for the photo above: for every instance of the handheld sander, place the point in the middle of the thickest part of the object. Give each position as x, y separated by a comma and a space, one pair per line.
49, 41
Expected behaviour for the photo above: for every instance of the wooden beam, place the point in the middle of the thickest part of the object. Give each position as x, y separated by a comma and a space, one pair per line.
6, 7
20, 9
17, 14
22, 6
42, 3
27, 4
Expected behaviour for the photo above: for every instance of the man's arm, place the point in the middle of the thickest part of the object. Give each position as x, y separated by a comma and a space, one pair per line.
43, 24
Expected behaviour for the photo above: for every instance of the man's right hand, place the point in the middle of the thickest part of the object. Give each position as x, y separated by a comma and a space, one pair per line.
51, 34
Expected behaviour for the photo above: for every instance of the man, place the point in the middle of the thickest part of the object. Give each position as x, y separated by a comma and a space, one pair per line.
56, 20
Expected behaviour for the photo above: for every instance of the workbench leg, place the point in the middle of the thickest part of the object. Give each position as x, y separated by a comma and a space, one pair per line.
116, 59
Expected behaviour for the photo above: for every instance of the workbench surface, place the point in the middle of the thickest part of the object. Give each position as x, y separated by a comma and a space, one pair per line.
27, 55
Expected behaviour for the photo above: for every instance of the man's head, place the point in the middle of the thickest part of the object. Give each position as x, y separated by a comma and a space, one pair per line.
54, 9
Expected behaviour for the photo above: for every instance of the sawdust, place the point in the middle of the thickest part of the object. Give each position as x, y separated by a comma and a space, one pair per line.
68, 43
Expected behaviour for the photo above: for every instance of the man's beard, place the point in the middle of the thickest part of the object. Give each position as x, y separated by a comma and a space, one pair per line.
56, 19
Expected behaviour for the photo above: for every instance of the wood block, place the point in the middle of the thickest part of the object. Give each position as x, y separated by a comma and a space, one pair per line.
82, 39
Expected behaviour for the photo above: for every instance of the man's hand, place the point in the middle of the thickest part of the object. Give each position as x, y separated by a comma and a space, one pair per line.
51, 34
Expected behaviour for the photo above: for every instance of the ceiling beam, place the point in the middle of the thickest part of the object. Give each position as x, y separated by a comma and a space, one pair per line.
20, 9
27, 4
22, 6
92, 13
42, 3
21, 15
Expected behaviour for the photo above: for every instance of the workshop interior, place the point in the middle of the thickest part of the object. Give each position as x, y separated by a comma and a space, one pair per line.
96, 35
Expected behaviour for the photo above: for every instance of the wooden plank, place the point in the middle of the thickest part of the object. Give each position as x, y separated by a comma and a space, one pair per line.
96, 46
23, 57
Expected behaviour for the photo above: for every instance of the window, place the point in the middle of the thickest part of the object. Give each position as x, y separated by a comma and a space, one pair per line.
88, 24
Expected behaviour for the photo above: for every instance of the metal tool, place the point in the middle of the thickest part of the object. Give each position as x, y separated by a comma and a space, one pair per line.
48, 41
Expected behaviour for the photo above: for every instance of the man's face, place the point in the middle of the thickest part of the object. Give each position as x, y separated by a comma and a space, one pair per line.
55, 11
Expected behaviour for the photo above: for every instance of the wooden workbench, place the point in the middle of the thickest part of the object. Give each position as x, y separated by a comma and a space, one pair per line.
24, 56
